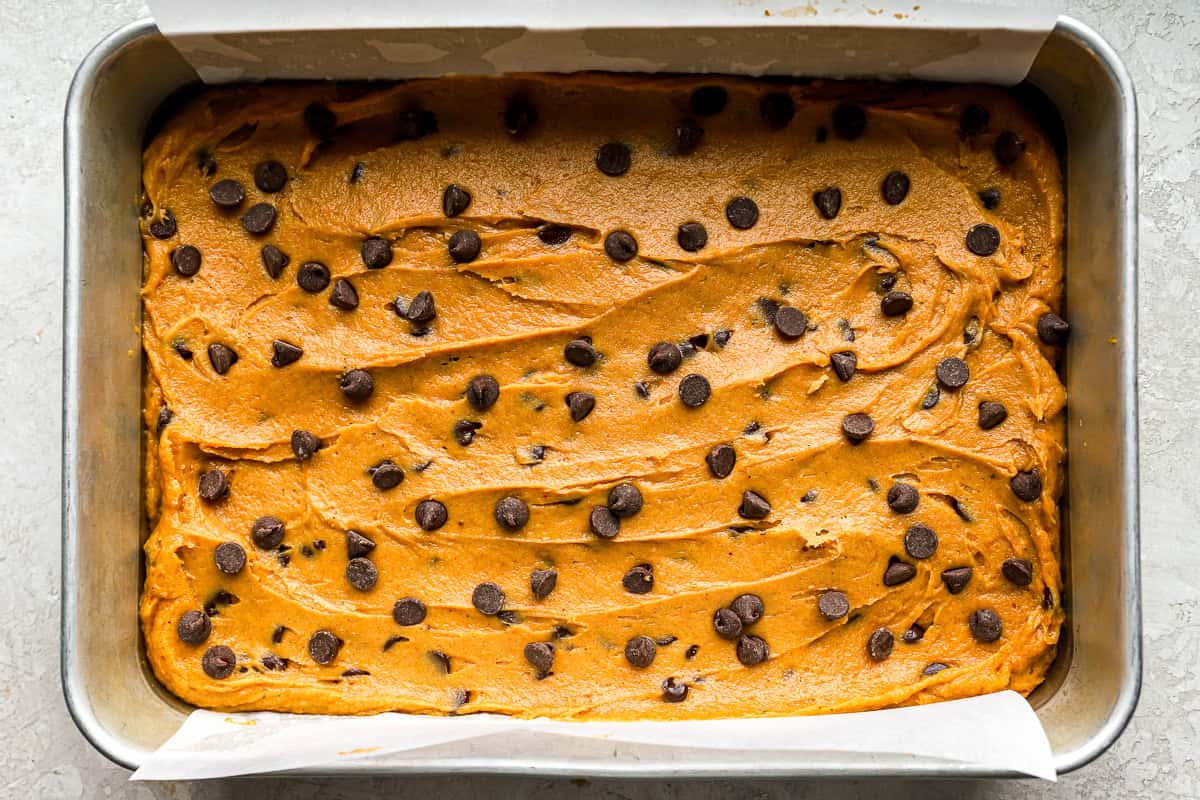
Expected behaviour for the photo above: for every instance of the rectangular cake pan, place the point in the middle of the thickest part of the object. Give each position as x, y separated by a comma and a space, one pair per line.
114, 698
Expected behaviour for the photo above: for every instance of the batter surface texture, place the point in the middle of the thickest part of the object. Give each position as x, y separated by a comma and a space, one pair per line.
601, 397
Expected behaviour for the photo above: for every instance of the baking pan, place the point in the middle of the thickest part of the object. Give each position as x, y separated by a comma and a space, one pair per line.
1093, 686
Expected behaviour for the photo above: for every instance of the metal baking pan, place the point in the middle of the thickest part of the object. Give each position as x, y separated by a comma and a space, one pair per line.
1093, 686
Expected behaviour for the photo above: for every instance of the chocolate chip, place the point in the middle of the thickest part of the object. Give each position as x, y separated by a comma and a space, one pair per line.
688, 135
1053, 329
511, 513
754, 506
709, 100
267, 532
895, 188
230, 558
721, 460
186, 260
727, 624
920, 541
482, 392
408, 611
218, 662
274, 260
974, 120
620, 246
664, 357
956, 578
259, 219
455, 200
809, 497
777, 109
880, 643
554, 235
833, 604
284, 353
613, 159
421, 310
857, 427
376, 253
673, 691
953, 373
221, 357
828, 201
488, 599
642, 390
639, 579
985, 625
542, 582
991, 414
691, 236
694, 390
691, 652
624, 500
580, 405
898, 572
990, 198
313, 276
270, 176
431, 515
932, 395
844, 364
357, 544
194, 627
1047, 598
1019, 571
903, 498
357, 385
540, 655
227, 193
580, 352
206, 163
1008, 148
896, 304
214, 486
640, 651
934, 669
1026, 485
519, 115
748, 607
751, 650
386, 475
165, 227
742, 213
324, 647
184, 351
791, 323
361, 573
464, 246
849, 121
604, 523
914, 634
344, 295
464, 431
983, 239
319, 120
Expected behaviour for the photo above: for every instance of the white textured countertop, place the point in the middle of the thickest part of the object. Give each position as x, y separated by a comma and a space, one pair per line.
42, 41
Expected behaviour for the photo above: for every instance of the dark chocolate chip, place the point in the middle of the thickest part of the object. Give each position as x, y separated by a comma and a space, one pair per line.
727, 624
664, 357
214, 486
880, 643
709, 100
914, 634
230, 558
386, 474
482, 392
833, 604
284, 353
267, 532
357, 544
691, 236
956, 578
953, 373
673, 691
642, 390
1008, 148
361, 573
455, 200
613, 159
464, 431
640, 651
221, 357
990, 198
639, 579
1026, 485
313, 276
206, 163
580, 405
408, 611
319, 120
974, 120
857, 427
983, 239
1047, 598
259, 219
920, 541
932, 395
849, 121
357, 384
274, 260
742, 213
934, 669
1019, 571
895, 188
580, 352
777, 109
604, 523
896, 304
1053, 329
164, 227
691, 652
540, 655
270, 176
985, 625
721, 460
165, 415
751, 650
464, 246
694, 390
194, 627
227, 193
688, 135
519, 115
324, 647
748, 607
376, 253
554, 235
620, 246
828, 201
754, 506
344, 295
542, 582
903, 498
809, 497
791, 323
421, 310
898, 572
431, 515
624, 500
487, 598
184, 351
218, 662
186, 260
844, 364
511, 513
991, 414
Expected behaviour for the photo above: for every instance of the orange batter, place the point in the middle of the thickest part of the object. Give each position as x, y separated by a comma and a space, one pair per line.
423, 432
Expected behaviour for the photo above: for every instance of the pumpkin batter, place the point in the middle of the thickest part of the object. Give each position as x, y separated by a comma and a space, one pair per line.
418, 352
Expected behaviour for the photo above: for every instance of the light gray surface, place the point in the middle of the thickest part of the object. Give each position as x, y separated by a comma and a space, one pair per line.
45, 757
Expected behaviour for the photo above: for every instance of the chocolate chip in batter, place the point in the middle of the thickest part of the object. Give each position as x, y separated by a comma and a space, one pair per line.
694, 390
267, 532
386, 474
519, 115
376, 252
183, 350
898, 572
1053, 329
990, 198
1047, 598
214, 486
259, 219
709, 100
620, 246
777, 109
674, 691
408, 611
639, 579
194, 627
691, 236
742, 213
455, 200
421, 310
1026, 485
313, 276
896, 303
357, 385
488, 599
221, 357
464, 246
164, 418
934, 669
748, 607
227, 193
284, 353
983, 239
319, 120
1019, 571
274, 260
230, 558
849, 121
895, 188
991, 414
580, 405
540, 655
914, 634
844, 364
542, 582
857, 427
880, 643
580, 352
1008, 148
985, 625
186, 260
833, 604
554, 235
664, 357
974, 120
791, 323
218, 662
324, 647
464, 431
164, 227
752, 650
613, 159
511, 513
356, 544
903, 498
828, 201
688, 135
640, 651
205, 163
754, 506
932, 395
431, 515
270, 176
953, 373
956, 578
344, 295
482, 392
721, 460
361, 573
604, 523
920, 541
